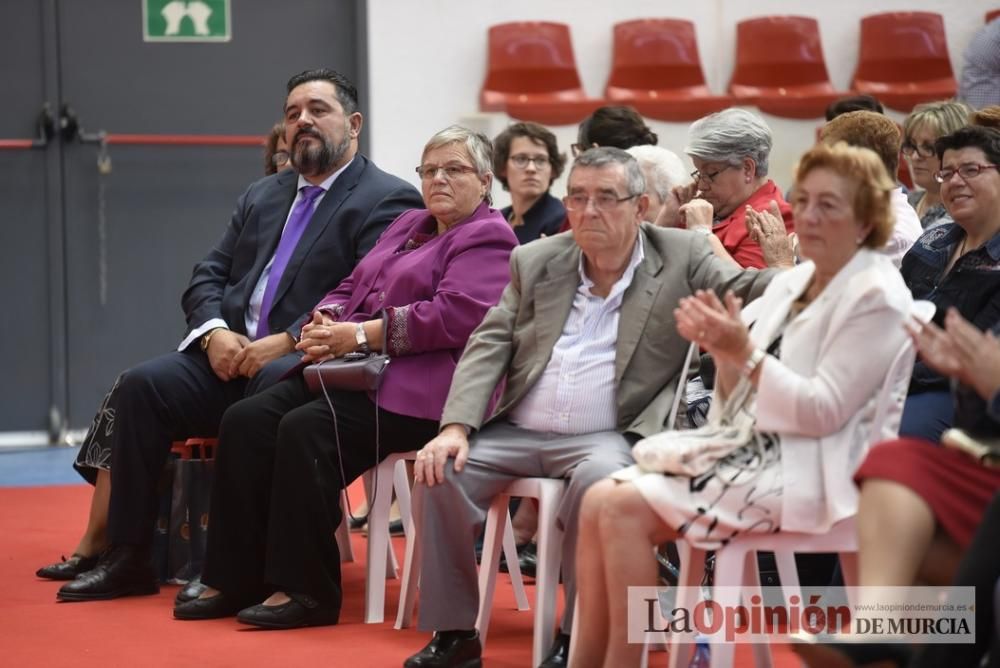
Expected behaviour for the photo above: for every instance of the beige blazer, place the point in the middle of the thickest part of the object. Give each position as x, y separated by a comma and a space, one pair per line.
515, 340
820, 396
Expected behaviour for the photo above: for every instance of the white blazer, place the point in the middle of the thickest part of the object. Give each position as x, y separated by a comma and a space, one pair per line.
820, 396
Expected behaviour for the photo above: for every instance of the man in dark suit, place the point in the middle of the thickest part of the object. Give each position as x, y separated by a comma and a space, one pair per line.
293, 237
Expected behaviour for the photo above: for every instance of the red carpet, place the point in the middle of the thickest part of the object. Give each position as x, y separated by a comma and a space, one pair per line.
39, 524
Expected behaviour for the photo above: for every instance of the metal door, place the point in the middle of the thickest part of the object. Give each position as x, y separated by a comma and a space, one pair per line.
127, 239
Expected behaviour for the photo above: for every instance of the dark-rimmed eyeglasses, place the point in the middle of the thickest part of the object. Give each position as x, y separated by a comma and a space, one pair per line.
603, 202
451, 172
700, 176
521, 161
967, 171
923, 150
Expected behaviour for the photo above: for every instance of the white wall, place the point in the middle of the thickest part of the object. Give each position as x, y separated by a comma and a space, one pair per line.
427, 60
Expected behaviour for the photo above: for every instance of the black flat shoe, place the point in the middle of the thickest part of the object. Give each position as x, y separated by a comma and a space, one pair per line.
216, 607
558, 654
190, 591
301, 610
449, 649
357, 522
68, 569
122, 570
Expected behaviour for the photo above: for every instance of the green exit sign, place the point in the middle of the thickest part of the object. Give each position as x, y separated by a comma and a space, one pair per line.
186, 21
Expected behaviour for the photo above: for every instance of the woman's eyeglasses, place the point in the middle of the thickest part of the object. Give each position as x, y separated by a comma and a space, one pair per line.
451, 172
522, 161
923, 150
965, 172
708, 177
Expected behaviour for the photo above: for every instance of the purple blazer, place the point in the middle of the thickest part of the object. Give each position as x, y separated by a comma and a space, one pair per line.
434, 290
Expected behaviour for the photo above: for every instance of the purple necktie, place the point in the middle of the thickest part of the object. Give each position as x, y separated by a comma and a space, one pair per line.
289, 240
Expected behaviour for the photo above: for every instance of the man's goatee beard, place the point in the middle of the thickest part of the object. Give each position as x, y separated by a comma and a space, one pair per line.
310, 160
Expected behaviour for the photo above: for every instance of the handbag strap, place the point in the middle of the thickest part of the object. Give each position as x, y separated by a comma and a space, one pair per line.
681, 386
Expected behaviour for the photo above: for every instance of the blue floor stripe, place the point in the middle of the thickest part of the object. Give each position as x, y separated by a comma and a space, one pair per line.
38, 466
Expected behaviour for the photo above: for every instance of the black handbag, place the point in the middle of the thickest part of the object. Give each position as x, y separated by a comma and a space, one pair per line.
358, 372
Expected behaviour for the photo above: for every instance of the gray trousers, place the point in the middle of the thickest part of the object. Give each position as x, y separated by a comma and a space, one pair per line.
450, 516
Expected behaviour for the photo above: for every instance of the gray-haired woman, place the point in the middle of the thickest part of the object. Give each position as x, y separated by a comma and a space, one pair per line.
730, 152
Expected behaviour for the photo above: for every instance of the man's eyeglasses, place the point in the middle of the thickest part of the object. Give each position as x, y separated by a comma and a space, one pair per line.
522, 161
967, 171
280, 158
451, 172
923, 150
700, 176
603, 202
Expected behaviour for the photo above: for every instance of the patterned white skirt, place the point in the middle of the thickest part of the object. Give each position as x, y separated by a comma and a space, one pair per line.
740, 494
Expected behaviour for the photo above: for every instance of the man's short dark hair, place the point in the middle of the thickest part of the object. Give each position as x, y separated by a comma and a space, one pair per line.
851, 103
535, 132
347, 94
985, 139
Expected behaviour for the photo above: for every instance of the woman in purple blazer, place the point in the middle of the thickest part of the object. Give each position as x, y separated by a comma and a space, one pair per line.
279, 471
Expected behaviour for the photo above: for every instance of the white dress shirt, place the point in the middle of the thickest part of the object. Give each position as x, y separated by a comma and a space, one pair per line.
252, 314
576, 392
905, 232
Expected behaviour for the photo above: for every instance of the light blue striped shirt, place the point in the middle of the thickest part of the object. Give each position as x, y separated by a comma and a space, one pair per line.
576, 393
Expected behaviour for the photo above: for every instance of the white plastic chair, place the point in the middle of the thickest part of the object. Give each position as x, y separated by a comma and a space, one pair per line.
736, 563
548, 491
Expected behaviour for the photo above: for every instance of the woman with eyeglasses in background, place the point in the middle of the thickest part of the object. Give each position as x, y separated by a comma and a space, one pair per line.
921, 129
730, 152
956, 264
527, 161
276, 156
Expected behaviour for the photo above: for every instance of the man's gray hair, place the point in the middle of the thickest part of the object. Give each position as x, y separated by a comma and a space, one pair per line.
730, 136
665, 166
477, 145
603, 156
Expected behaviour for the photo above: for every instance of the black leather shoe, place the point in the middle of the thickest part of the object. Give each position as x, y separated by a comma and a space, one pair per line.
301, 610
216, 607
527, 558
190, 591
357, 522
67, 569
558, 654
122, 570
449, 649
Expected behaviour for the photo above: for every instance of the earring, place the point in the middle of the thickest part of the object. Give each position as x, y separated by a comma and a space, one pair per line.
748, 179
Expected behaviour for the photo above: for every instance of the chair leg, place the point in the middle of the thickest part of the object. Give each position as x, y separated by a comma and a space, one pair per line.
411, 576
401, 485
692, 572
730, 567
378, 563
751, 583
344, 532
514, 566
489, 563
550, 540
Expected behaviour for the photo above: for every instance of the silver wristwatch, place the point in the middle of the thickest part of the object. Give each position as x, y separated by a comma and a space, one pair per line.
361, 338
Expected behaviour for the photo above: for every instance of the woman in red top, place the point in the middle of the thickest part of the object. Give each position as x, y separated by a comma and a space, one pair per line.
730, 151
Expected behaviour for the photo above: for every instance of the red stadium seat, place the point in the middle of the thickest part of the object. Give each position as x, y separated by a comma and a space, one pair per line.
531, 66
780, 67
904, 59
656, 69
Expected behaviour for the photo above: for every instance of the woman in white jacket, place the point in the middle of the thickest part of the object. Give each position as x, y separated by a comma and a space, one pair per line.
817, 357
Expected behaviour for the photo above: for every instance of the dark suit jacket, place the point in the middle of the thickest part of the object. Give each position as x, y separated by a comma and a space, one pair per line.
360, 204
516, 338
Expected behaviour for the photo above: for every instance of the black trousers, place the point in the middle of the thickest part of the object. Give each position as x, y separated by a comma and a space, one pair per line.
165, 399
276, 495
